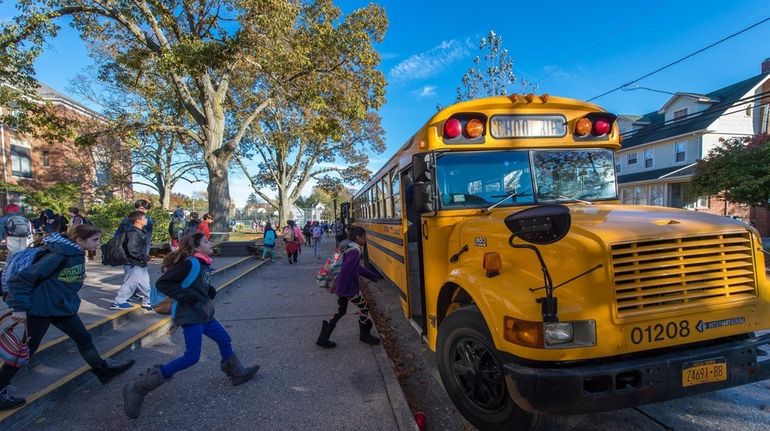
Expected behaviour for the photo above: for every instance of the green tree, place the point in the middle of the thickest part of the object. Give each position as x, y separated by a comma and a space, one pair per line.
58, 197
738, 170
492, 73
226, 61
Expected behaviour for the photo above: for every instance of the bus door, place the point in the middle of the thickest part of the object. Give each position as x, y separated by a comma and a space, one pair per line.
415, 291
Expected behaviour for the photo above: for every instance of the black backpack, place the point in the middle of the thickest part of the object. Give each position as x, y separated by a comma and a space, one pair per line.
114, 252
192, 227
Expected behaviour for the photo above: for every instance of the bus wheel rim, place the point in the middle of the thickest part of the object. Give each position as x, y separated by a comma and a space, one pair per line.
478, 374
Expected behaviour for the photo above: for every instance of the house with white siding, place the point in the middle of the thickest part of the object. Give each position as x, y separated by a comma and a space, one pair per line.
659, 150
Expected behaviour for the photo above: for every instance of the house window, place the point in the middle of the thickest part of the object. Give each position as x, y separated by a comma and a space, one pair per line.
21, 163
631, 158
682, 197
617, 168
648, 158
679, 114
680, 152
46, 158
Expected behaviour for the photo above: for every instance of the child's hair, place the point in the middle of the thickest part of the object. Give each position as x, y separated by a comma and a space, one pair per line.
133, 216
268, 226
142, 203
355, 232
83, 231
187, 246
194, 216
74, 210
208, 216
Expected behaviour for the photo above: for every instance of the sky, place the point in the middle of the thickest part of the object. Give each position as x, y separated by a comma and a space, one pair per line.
571, 49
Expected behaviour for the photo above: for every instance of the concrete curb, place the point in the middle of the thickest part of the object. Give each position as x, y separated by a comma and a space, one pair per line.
401, 411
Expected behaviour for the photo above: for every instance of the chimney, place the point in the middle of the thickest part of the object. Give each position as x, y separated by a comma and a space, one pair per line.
766, 66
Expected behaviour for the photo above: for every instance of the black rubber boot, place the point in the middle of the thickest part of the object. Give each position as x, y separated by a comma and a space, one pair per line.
365, 336
323, 337
234, 369
8, 401
110, 369
134, 392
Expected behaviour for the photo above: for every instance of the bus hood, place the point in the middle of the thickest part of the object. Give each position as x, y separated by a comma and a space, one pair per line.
633, 222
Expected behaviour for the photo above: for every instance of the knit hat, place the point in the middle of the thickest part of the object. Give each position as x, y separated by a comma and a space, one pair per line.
12, 208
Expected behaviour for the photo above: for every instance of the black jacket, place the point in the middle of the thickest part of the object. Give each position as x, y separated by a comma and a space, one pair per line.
136, 247
194, 304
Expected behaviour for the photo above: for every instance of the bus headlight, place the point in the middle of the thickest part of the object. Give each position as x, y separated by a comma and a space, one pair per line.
558, 333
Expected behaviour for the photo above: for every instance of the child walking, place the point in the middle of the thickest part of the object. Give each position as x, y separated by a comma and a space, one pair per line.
347, 290
193, 310
268, 242
46, 293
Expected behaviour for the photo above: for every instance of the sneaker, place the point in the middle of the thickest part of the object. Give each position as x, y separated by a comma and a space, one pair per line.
146, 306
8, 401
135, 298
123, 306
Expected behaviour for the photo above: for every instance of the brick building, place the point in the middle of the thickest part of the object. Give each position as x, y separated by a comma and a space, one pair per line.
103, 170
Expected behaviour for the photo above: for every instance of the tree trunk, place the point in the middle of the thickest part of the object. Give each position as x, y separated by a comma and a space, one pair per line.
219, 193
165, 196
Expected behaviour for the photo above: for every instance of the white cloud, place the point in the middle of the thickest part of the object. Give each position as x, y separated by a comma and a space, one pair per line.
426, 91
430, 62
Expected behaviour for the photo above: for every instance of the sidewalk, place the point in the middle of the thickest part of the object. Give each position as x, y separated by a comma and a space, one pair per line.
274, 316
100, 287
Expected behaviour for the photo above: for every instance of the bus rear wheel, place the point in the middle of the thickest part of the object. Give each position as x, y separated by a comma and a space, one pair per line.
473, 375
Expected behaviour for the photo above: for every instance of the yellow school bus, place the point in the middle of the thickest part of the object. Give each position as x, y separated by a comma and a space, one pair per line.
499, 224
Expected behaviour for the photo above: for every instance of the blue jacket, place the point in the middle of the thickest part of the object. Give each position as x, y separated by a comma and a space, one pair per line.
269, 239
50, 286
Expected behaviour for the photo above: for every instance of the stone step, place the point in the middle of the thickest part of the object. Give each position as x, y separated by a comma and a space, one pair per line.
58, 369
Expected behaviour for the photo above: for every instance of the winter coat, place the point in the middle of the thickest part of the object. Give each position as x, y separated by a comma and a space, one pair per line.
136, 247
205, 229
346, 284
50, 286
194, 304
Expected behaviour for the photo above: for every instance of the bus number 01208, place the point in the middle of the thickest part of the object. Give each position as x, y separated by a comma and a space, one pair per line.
660, 332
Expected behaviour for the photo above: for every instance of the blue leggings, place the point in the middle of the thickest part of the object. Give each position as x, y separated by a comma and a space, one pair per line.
193, 336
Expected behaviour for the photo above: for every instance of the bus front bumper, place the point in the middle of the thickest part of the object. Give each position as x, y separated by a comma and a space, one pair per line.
630, 382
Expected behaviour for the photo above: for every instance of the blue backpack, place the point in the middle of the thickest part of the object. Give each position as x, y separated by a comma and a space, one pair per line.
161, 303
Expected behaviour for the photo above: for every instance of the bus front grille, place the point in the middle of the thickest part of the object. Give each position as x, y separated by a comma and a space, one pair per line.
682, 273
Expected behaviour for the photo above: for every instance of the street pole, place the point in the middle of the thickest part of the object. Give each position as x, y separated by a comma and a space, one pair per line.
334, 211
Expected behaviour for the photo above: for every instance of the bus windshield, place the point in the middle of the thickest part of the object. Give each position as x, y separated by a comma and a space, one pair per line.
482, 179
574, 175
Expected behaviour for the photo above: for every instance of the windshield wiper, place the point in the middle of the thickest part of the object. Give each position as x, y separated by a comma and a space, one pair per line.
550, 196
514, 194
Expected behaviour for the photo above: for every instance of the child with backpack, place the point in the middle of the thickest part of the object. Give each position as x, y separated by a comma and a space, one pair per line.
176, 227
317, 233
15, 229
268, 242
193, 310
45, 293
292, 235
347, 290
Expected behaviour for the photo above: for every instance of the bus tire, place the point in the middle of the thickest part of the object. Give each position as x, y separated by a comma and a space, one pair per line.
472, 374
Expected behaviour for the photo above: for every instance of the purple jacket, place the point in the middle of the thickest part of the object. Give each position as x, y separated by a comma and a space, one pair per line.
346, 284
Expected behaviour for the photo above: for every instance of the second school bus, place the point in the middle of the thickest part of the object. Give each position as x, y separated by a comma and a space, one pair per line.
499, 224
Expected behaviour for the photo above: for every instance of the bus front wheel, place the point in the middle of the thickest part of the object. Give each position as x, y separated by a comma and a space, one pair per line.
473, 376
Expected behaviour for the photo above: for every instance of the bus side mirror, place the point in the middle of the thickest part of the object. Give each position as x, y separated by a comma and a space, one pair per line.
423, 198
421, 168
540, 225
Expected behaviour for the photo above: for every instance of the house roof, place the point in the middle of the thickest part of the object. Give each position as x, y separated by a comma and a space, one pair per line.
700, 98
658, 174
49, 94
657, 129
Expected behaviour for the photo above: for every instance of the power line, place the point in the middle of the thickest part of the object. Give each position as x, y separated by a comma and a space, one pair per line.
681, 59
581, 53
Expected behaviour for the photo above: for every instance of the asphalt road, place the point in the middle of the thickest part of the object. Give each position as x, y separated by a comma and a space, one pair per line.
746, 408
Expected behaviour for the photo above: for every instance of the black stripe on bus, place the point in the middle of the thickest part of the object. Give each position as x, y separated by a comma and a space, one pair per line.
394, 240
390, 281
379, 220
390, 253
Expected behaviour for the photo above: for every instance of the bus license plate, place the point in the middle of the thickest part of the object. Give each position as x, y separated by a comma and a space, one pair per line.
705, 371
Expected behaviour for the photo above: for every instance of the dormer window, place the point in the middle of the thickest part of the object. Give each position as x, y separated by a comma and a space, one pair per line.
680, 113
